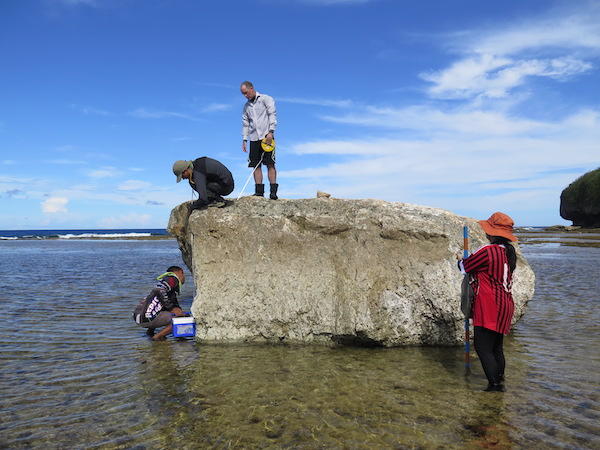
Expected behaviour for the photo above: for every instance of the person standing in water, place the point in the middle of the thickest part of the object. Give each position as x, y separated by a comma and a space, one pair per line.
492, 267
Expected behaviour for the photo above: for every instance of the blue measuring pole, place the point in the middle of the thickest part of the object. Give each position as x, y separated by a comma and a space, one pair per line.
467, 325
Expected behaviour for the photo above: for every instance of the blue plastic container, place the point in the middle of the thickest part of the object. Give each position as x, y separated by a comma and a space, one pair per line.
184, 326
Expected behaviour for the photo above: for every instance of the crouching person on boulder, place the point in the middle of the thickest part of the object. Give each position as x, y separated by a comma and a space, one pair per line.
208, 177
492, 267
155, 310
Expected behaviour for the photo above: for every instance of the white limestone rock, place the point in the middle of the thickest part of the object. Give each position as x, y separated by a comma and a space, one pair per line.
365, 272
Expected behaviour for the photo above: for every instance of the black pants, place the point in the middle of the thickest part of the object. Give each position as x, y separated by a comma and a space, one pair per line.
488, 345
215, 190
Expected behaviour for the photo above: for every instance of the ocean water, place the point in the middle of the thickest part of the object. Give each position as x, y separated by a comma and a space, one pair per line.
76, 372
9, 235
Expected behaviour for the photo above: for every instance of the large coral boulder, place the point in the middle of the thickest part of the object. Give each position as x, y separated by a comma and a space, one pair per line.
364, 272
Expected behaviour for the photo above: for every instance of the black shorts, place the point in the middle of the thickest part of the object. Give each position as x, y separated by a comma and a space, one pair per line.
256, 152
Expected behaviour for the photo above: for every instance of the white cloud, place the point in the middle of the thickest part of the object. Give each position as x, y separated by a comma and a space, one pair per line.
464, 76
574, 31
585, 119
317, 102
133, 185
104, 172
214, 107
130, 220
55, 205
456, 163
493, 77
90, 110
437, 121
498, 61
331, 147
84, 189
145, 113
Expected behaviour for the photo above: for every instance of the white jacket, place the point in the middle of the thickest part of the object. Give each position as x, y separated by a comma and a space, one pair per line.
258, 117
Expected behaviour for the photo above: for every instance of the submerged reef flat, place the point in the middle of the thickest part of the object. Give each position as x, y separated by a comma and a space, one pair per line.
560, 235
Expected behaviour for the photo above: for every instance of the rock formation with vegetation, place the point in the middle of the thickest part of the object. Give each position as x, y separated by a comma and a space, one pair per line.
580, 201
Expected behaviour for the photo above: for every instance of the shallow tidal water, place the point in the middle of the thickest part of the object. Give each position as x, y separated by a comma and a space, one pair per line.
76, 372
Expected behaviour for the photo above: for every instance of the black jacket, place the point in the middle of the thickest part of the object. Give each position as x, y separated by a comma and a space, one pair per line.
208, 171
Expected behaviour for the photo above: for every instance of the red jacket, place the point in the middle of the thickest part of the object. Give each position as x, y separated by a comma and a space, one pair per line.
493, 305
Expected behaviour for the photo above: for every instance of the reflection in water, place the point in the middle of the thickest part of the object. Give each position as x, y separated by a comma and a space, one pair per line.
79, 373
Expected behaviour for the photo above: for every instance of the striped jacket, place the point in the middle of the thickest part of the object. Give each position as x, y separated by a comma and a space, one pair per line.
493, 305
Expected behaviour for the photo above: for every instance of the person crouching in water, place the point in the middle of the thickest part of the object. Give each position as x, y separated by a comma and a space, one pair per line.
492, 267
155, 310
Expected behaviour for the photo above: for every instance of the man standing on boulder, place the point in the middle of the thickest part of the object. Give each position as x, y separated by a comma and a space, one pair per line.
259, 120
208, 177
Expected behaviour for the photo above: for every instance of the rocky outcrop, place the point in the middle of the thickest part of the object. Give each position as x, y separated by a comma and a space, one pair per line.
364, 272
580, 201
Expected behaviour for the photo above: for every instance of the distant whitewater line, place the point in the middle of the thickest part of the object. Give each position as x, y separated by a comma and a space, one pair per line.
133, 234
143, 234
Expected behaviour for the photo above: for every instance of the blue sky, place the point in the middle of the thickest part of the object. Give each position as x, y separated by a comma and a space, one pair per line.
469, 106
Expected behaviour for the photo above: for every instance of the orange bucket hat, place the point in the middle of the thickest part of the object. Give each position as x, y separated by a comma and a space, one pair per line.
499, 224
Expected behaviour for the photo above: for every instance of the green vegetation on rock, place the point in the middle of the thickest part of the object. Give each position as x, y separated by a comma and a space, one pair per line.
580, 201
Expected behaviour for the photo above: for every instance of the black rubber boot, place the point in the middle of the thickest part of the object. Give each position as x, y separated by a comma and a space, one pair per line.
259, 190
274, 187
495, 387
218, 202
